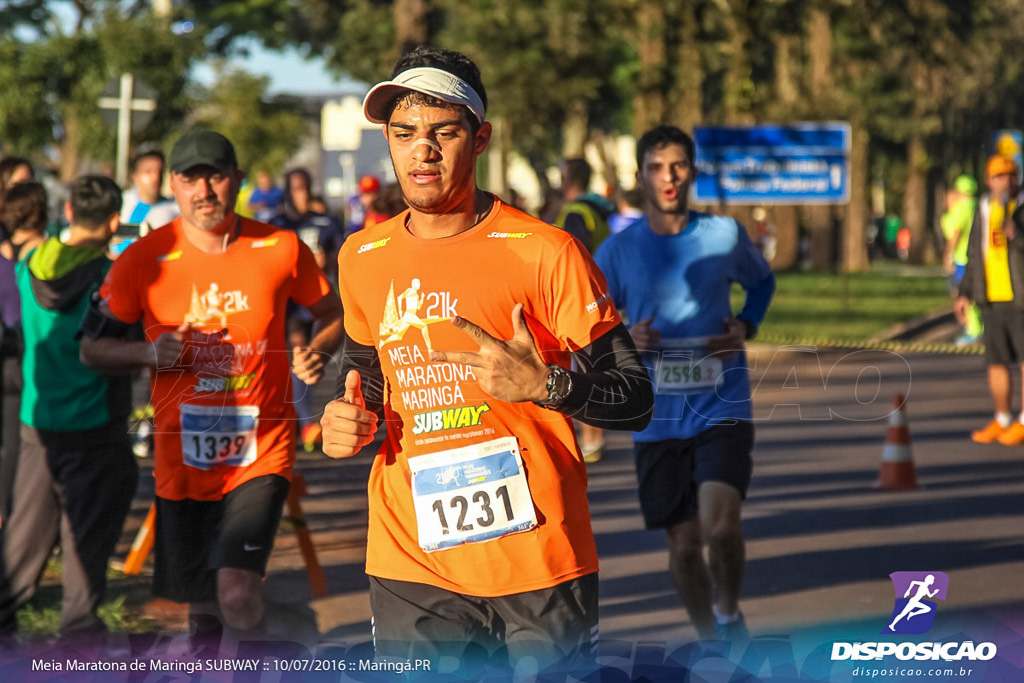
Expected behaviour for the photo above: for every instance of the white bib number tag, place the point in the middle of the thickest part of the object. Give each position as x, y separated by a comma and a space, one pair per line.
684, 367
471, 494
311, 238
218, 435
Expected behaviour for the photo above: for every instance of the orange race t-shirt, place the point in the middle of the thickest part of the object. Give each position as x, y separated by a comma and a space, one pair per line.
471, 493
224, 413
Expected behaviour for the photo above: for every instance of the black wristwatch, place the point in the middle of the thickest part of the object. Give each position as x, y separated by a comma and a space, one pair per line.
559, 386
751, 328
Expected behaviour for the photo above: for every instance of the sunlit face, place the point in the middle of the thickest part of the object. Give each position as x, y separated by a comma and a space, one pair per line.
433, 151
148, 175
298, 188
21, 174
1003, 185
665, 178
205, 195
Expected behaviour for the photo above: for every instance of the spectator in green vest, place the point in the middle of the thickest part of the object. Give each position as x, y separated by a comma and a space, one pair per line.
584, 214
956, 228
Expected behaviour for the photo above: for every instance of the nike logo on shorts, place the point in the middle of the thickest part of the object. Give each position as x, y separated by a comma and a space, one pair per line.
248, 547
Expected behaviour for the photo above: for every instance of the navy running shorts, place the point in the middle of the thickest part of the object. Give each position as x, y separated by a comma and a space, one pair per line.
670, 472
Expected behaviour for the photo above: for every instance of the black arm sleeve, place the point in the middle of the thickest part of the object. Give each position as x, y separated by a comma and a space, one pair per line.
612, 389
96, 324
355, 356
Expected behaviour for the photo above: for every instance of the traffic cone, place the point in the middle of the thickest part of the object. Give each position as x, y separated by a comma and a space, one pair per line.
142, 545
897, 471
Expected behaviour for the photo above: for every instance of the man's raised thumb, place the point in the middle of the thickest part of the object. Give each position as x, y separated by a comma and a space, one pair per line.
353, 388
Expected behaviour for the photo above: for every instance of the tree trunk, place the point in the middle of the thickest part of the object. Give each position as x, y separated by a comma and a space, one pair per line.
819, 55
605, 147
821, 232
650, 102
787, 237
737, 73
915, 198
498, 157
575, 129
786, 65
686, 98
410, 24
69, 157
855, 255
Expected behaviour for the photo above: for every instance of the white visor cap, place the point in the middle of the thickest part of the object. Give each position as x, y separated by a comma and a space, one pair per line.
426, 80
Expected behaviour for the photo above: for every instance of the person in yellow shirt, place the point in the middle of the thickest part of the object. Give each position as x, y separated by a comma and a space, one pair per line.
994, 279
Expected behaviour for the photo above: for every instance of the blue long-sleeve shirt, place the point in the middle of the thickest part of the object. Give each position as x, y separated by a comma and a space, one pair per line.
683, 282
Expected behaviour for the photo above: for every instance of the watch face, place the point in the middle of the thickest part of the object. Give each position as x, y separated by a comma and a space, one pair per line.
556, 385
559, 384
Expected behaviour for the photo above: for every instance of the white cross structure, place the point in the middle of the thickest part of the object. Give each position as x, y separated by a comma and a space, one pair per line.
125, 104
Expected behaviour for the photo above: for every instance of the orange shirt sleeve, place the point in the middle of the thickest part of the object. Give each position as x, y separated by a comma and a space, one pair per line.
120, 291
578, 306
310, 283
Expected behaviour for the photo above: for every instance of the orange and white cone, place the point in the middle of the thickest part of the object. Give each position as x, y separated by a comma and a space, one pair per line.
897, 472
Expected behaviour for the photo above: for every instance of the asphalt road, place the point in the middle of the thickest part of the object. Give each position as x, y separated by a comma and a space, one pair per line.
821, 539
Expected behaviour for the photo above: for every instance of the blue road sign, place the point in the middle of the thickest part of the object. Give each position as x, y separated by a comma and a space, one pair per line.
800, 163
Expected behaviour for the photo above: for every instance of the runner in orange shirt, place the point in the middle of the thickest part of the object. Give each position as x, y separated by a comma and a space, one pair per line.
211, 289
461, 315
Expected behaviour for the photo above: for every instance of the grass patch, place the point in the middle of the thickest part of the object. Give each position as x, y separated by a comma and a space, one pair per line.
40, 618
850, 307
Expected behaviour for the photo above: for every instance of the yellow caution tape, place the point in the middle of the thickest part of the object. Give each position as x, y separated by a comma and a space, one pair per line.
896, 346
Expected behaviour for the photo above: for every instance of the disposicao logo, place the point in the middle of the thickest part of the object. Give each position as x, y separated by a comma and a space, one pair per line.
914, 613
916, 592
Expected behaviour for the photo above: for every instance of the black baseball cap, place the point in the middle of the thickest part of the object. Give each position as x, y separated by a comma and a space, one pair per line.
203, 148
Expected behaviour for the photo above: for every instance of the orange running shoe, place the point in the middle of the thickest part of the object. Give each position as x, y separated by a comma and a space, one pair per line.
1014, 436
992, 431
313, 436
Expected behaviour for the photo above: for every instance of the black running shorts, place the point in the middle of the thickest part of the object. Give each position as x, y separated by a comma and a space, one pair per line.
557, 626
1004, 333
669, 472
195, 538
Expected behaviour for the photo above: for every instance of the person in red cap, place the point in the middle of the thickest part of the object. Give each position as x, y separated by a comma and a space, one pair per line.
361, 205
994, 279
369, 184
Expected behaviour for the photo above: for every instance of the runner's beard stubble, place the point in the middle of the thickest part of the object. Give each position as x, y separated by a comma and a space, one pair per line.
208, 221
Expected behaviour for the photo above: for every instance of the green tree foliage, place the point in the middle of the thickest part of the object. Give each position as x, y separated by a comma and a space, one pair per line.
53, 80
930, 80
265, 134
25, 15
310, 24
540, 58
924, 82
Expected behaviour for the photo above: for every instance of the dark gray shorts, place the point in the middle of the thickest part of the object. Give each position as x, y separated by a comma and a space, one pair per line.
669, 472
557, 625
1004, 333
195, 538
